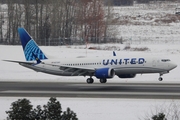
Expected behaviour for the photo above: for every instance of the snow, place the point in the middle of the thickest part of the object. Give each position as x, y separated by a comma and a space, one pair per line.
103, 108
91, 108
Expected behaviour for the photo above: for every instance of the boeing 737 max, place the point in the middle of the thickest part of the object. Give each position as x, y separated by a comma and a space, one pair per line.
102, 68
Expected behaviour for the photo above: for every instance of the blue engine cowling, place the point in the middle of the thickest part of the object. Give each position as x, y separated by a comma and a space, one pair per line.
104, 73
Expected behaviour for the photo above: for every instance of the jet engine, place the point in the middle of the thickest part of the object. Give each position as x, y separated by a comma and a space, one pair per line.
127, 75
104, 73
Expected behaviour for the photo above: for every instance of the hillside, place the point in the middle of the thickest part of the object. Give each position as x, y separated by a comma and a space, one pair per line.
154, 23
148, 23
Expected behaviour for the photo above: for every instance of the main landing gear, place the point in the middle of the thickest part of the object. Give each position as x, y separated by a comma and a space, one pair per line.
104, 80
91, 80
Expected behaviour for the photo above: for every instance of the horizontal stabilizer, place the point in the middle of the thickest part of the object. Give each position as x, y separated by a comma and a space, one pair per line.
19, 62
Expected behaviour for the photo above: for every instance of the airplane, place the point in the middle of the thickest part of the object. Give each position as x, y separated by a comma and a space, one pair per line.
102, 68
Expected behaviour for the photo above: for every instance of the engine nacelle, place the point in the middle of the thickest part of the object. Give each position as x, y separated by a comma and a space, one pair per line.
104, 73
127, 75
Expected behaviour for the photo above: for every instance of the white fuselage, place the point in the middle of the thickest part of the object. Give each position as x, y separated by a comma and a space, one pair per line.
102, 68
125, 65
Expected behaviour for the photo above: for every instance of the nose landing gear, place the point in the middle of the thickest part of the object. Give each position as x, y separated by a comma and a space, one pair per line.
160, 78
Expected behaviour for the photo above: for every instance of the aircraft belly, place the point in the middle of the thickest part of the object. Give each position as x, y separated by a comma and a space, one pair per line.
136, 70
126, 71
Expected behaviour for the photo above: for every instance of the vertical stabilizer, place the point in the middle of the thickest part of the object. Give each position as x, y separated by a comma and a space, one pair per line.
114, 53
30, 47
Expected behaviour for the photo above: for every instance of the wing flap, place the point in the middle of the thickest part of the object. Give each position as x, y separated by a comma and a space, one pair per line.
77, 71
63, 67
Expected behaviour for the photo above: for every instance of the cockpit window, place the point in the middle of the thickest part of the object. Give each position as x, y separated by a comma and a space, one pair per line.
165, 60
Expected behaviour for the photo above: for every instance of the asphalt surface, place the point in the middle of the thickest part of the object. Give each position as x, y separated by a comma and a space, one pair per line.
158, 90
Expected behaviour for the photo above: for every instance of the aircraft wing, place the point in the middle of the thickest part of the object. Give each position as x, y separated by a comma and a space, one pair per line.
78, 71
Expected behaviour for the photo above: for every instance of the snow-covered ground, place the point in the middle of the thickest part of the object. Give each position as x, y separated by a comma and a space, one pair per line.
96, 108
147, 22
106, 108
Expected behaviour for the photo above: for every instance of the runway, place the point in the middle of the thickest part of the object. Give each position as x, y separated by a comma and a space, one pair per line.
109, 90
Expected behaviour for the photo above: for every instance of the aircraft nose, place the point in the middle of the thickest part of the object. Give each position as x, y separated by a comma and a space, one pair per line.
173, 65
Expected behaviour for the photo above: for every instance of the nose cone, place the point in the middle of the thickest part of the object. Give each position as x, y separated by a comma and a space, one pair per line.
172, 65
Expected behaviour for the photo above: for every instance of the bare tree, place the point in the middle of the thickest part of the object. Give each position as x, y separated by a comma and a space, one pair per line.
1, 24
91, 19
59, 19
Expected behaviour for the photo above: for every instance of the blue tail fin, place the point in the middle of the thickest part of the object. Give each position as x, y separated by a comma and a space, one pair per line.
30, 47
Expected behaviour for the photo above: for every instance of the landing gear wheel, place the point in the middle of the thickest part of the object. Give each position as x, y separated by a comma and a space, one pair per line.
90, 80
160, 78
103, 80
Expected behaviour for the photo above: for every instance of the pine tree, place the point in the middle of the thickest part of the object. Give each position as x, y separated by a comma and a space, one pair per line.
69, 115
20, 110
160, 116
39, 114
53, 109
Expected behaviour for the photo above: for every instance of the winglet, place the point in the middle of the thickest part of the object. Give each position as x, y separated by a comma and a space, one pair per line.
30, 46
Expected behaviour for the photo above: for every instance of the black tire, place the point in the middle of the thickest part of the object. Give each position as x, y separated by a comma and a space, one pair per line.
103, 80
160, 78
90, 80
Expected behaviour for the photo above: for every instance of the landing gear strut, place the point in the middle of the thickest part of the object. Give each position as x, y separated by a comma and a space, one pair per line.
90, 80
160, 78
104, 80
